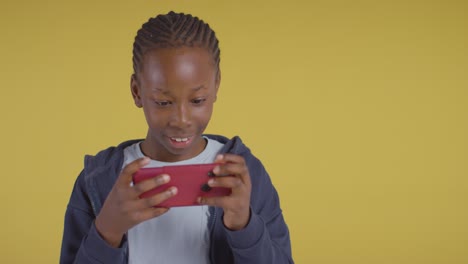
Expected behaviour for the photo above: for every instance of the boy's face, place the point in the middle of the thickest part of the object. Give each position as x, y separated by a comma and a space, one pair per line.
176, 88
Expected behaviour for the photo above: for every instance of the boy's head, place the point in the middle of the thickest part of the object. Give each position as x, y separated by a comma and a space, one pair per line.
176, 79
174, 30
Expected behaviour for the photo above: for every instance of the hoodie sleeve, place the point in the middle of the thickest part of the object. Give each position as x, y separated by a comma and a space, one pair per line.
265, 239
81, 242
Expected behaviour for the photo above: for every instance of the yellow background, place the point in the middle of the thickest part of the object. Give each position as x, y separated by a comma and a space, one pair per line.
359, 110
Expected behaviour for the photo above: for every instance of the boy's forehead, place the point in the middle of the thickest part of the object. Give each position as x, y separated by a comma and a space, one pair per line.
177, 65
173, 57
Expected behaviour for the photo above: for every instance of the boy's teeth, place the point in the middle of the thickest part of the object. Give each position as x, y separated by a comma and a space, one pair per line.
180, 139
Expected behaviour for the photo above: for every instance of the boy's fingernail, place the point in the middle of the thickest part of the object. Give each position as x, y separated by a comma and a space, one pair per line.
211, 182
219, 157
216, 170
173, 191
145, 160
164, 178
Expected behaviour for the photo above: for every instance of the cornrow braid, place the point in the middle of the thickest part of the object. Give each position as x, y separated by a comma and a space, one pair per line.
174, 30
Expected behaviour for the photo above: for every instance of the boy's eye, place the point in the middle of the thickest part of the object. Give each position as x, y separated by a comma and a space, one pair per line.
198, 101
162, 103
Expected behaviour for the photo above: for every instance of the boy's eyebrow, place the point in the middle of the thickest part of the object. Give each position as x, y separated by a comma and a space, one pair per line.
195, 89
156, 89
198, 88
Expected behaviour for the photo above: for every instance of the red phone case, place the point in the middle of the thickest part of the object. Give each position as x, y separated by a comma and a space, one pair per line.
190, 180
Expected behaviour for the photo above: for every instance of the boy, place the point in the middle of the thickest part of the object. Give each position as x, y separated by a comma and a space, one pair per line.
176, 79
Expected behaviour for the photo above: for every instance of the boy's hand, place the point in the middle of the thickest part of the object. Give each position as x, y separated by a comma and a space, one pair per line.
237, 205
123, 209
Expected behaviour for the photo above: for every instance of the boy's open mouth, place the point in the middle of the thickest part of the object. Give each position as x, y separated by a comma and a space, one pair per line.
180, 139
180, 142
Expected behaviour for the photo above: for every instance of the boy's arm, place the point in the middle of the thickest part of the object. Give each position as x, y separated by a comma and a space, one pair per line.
265, 239
81, 242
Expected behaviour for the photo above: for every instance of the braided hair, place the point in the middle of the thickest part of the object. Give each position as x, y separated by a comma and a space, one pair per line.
174, 30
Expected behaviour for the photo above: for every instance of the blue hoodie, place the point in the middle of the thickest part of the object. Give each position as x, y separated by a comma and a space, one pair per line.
265, 239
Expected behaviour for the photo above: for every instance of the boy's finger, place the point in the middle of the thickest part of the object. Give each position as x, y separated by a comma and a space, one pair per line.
229, 169
150, 184
218, 201
157, 198
155, 212
226, 182
228, 157
127, 173
233, 169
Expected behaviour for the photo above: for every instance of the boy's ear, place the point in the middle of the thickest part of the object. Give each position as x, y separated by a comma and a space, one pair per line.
135, 88
217, 83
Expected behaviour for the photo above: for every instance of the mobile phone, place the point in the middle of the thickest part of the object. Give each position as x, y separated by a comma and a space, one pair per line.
191, 182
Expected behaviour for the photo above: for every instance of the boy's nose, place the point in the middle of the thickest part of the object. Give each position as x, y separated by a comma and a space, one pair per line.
180, 117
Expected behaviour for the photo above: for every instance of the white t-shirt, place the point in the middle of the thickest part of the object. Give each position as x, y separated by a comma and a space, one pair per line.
179, 236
